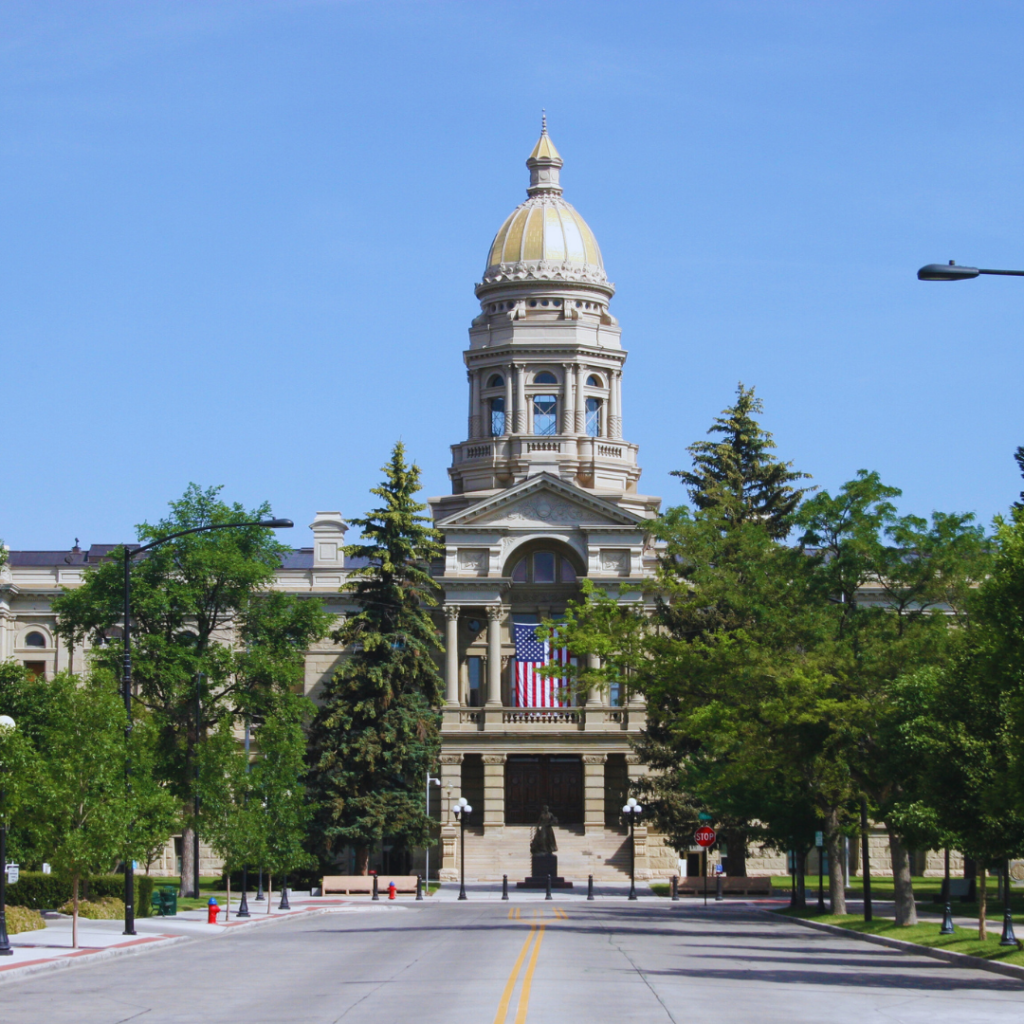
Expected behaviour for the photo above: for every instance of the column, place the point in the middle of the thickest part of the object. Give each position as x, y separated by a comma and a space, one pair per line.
474, 405
494, 613
593, 792
469, 410
451, 790
520, 427
581, 401
509, 398
614, 409
568, 406
451, 654
494, 791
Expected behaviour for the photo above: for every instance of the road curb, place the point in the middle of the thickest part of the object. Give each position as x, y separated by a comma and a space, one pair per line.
88, 956
949, 956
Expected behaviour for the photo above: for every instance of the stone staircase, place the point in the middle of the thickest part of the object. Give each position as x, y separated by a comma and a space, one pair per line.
506, 851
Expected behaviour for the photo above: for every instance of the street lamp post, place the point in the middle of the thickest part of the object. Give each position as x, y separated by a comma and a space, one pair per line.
947, 911
461, 810
1008, 938
126, 678
426, 849
632, 812
6, 725
952, 272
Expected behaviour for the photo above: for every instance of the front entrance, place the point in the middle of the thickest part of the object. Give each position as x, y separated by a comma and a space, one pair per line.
533, 781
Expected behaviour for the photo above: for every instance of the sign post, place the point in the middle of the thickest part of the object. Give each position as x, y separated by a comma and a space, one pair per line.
705, 837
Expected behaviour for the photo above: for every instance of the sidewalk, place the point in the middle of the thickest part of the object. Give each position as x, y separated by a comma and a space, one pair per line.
50, 948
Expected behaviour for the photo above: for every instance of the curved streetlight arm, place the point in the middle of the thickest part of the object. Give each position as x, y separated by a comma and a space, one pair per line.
273, 524
954, 272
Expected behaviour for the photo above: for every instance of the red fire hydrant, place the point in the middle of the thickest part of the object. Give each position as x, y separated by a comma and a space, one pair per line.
212, 910
391, 890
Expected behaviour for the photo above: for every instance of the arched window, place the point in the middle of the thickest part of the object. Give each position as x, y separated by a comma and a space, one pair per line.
545, 415
544, 377
544, 567
497, 381
497, 416
594, 381
35, 639
593, 417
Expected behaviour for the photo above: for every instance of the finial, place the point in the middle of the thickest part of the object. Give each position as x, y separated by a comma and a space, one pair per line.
543, 121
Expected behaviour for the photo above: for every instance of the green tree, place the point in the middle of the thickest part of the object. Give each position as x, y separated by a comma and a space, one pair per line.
738, 475
209, 637
377, 730
80, 804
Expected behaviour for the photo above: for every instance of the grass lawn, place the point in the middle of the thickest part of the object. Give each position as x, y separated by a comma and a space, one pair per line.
964, 940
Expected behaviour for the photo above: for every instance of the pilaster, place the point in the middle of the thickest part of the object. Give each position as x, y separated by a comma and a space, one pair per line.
494, 791
520, 427
593, 792
581, 403
451, 790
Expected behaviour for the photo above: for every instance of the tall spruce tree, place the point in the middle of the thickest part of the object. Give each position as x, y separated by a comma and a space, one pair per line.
377, 730
738, 476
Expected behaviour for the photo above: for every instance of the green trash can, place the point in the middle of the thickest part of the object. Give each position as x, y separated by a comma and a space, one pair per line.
165, 901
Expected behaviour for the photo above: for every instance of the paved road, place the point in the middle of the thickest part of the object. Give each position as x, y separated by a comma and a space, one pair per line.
520, 963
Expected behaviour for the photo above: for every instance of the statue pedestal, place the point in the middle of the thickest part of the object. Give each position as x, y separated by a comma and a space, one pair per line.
541, 866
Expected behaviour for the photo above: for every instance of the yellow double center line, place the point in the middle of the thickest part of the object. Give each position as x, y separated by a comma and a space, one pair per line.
536, 937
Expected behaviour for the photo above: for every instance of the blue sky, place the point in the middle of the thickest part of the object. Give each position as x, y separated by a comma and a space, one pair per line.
241, 238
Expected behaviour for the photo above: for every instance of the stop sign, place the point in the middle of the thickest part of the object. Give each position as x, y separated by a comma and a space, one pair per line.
705, 836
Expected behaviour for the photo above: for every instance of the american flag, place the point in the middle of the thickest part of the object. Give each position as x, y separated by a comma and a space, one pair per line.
532, 689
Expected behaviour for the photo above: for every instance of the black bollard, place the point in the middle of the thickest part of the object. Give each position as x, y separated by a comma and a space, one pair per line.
376, 895
1008, 937
675, 887
419, 887
590, 887
504, 887
283, 903
547, 895
718, 889
243, 906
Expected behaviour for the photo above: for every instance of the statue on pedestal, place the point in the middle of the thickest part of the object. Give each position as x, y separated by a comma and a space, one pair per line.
543, 841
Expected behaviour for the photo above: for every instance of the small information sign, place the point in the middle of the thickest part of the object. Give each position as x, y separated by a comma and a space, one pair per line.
819, 839
12, 873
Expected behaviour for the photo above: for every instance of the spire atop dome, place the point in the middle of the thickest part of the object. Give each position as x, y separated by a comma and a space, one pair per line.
544, 164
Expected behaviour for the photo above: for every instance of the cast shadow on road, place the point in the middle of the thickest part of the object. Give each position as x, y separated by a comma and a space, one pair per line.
872, 979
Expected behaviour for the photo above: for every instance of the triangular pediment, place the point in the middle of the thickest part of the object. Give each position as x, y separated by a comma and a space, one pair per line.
543, 500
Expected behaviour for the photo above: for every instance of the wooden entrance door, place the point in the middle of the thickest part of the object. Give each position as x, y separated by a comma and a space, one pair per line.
552, 779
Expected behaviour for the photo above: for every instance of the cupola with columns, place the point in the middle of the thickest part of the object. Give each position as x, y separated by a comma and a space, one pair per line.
545, 357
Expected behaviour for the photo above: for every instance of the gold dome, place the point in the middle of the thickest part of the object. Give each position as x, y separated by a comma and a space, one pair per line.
544, 238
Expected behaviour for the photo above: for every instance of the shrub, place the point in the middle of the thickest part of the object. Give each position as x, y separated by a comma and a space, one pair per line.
23, 919
105, 908
47, 892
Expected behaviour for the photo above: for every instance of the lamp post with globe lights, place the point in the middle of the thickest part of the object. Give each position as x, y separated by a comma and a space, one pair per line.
6, 726
631, 812
461, 810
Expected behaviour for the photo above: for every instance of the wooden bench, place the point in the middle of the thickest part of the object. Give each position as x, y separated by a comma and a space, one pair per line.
349, 884
693, 885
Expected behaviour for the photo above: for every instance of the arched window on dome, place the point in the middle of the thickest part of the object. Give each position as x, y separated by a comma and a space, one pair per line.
545, 415
497, 416
35, 639
593, 381
593, 424
497, 381
544, 567
545, 377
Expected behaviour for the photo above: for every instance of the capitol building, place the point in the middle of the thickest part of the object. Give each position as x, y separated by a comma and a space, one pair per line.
544, 493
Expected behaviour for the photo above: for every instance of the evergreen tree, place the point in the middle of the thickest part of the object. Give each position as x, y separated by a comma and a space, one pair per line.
377, 732
738, 475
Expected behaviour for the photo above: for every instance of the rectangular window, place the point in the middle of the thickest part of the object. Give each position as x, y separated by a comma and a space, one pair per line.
36, 669
476, 675
593, 417
544, 567
545, 415
497, 417
615, 695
